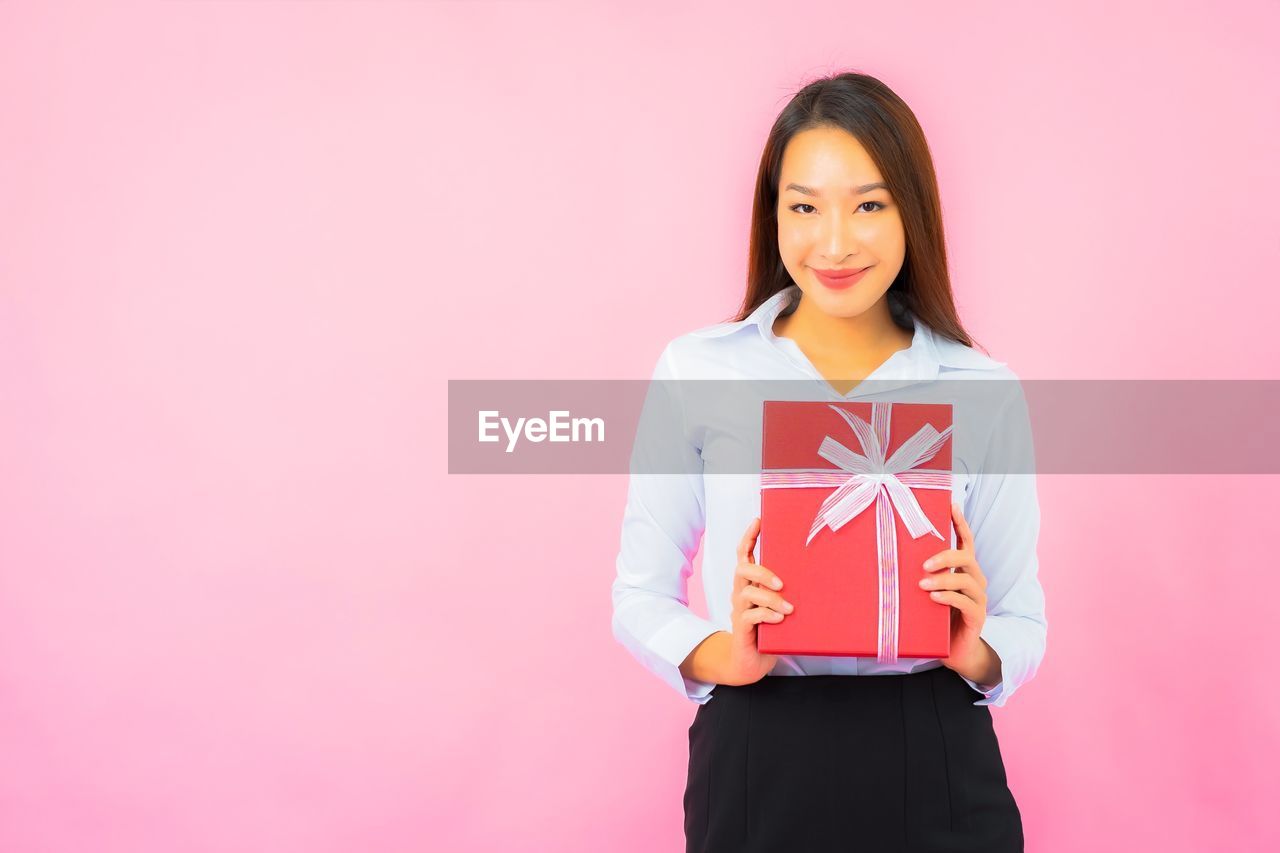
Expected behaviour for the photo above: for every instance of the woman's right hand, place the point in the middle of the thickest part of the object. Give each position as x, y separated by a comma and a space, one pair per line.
755, 600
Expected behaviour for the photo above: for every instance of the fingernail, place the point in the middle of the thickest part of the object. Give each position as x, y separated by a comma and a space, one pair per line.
776, 583
788, 606
928, 564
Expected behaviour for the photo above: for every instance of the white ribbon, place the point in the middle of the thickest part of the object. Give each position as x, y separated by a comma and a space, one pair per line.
860, 479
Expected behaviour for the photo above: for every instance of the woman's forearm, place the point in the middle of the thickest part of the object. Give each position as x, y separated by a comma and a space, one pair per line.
984, 669
706, 661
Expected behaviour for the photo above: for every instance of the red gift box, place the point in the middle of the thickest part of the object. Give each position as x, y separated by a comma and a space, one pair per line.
854, 498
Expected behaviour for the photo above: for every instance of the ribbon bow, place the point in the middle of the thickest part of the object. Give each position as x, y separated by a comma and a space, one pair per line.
864, 477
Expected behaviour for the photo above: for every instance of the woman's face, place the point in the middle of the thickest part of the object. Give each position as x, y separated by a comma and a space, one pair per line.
828, 219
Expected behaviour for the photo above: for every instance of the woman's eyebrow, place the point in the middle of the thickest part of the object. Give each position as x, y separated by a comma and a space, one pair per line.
865, 188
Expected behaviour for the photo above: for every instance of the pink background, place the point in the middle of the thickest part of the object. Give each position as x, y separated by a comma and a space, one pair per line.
244, 607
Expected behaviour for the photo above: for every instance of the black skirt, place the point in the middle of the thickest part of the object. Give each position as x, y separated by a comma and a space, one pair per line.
817, 763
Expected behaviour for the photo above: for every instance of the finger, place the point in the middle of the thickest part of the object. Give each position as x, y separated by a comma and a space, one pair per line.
759, 574
965, 566
745, 546
762, 614
958, 581
964, 536
975, 571
950, 558
963, 561
969, 590
968, 608
762, 597
748, 542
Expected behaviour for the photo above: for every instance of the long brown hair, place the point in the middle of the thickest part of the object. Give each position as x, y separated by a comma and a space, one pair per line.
888, 130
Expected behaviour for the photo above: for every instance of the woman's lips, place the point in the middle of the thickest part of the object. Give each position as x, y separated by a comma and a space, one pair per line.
840, 279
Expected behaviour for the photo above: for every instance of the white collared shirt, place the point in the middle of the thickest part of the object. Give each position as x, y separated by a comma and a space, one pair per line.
666, 516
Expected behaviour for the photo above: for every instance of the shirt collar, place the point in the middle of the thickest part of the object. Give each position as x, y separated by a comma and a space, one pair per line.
929, 351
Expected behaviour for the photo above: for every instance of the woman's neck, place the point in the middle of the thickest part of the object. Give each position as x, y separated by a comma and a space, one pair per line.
870, 333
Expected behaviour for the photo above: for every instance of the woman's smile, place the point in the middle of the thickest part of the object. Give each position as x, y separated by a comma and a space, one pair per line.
840, 279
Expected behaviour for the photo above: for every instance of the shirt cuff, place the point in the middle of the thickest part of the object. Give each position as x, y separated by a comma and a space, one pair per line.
673, 644
989, 697
996, 695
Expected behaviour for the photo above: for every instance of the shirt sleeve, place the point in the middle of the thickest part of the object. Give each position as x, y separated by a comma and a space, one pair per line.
662, 527
1003, 512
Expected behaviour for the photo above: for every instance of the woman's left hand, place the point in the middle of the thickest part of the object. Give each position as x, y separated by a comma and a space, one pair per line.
964, 590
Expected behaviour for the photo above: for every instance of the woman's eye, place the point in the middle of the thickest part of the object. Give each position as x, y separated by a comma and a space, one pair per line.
879, 206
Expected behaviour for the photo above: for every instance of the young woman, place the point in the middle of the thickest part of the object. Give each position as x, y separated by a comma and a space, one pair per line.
848, 285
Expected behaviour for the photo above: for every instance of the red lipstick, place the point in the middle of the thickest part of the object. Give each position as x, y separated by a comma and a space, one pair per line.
840, 279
